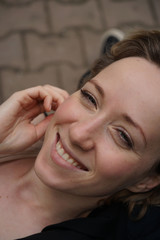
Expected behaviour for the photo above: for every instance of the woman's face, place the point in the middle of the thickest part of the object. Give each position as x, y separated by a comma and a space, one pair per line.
105, 137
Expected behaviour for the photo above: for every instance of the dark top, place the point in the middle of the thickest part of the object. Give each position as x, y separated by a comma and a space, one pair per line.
109, 223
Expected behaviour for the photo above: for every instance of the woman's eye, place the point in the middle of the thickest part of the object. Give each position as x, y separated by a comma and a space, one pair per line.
89, 97
122, 138
125, 138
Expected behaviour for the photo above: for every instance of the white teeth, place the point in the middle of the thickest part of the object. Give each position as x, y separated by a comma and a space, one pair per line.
70, 160
58, 145
60, 151
75, 164
66, 156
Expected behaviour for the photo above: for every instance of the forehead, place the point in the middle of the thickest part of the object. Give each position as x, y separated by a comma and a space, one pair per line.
135, 76
133, 85
131, 71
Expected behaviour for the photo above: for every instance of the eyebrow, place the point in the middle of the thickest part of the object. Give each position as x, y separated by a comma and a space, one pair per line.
124, 116
130, 121
99, 88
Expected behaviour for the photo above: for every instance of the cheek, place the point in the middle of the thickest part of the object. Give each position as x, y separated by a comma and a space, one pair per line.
63, 110
117, 166
67, 111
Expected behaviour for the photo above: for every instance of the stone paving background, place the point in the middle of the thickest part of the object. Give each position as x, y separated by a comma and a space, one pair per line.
54, 41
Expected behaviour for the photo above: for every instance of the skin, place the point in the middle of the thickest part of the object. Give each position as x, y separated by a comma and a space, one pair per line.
22, 125
91, 129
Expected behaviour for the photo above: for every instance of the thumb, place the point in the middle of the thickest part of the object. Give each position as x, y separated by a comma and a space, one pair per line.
42, 126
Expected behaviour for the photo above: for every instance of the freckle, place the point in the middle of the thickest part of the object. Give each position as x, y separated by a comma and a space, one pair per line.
0, 196
6, 196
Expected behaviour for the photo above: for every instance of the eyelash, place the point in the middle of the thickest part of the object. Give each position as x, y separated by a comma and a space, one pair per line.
125, 138
121, 133
89, 97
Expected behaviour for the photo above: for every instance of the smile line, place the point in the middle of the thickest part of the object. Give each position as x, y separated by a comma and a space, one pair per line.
62, 152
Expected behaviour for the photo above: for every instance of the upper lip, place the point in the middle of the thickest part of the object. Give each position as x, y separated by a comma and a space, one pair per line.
67, 150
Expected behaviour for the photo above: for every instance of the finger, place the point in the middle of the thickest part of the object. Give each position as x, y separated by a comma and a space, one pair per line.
33, 112
52, 102
58, 97
42, 126
32, 96
49, 96
48, 103
38, 119
58, 90
39, 94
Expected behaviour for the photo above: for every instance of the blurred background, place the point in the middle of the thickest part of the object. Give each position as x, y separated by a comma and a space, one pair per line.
55, 41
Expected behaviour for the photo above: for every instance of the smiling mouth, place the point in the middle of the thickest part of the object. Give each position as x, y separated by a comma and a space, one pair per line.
66, 157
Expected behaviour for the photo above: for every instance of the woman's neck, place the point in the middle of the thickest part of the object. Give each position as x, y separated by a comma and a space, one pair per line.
56, 206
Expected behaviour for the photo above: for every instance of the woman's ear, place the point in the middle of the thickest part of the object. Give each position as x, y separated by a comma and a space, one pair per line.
146, 184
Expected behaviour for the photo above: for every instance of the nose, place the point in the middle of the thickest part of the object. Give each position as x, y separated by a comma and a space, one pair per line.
83, 134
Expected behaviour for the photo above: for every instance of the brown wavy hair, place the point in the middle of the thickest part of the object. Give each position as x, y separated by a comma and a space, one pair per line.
144, 44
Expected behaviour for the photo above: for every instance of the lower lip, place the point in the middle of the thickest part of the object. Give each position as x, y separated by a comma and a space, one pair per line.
58, 160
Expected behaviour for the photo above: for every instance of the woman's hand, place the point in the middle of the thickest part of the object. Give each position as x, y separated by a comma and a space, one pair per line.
18, 131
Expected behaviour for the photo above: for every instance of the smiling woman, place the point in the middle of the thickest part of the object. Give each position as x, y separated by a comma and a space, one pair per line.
100, 146
144, 45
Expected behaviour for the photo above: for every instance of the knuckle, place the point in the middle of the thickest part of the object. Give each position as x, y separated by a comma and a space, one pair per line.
64, 92
47, 86
40, 87
18, 93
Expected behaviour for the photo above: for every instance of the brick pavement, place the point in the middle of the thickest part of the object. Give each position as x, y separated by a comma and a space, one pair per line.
54, 41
